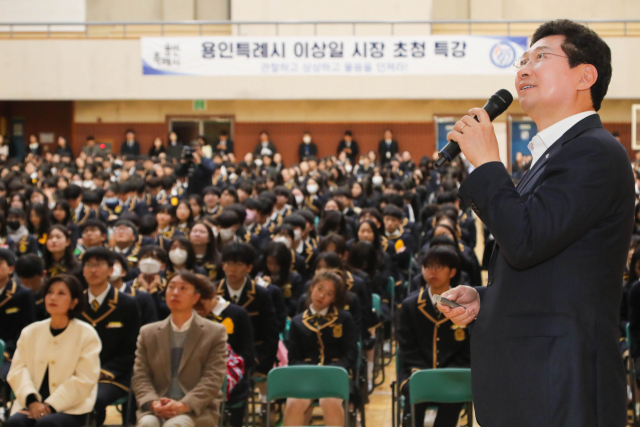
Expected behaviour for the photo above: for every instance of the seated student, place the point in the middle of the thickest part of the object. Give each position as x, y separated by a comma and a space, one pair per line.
116, 318
323, 335
184, 217
277, 271
196, 203
282, 207
167, 230
240, 337
125, 236
94, 234
58, 253
261, 226
211, 196
204, 246
182, 257
303, 248
427, 339
237, 287
151, 277
38, 222
31, 274
23, 241
17, 304
227, 222
309, 232
56, 366
241, 232
468, 261
190, 352
420, 281
148, 311
400, 238
285, 234
79, 212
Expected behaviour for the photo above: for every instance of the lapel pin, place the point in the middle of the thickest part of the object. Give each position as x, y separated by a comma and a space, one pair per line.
547, 156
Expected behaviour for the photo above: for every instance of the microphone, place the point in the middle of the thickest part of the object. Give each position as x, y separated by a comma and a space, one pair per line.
496, 105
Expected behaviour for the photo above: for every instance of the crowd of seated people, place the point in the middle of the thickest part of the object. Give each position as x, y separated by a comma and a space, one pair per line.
156, 269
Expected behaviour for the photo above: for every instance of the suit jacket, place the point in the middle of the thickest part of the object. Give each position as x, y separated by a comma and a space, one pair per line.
355, 150
174, 151
17, 310
228, 147
148, 311
383, 149
545, 342
73, 362
117, 322
202, 370
307, 150
133, 150
258, 150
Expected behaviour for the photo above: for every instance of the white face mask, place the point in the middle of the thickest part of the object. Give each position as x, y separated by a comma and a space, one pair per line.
388, 141
306, 139
284, 240
117, 272
149, 266
258, 162
377, 180
226, 234
348, 168
178, 256
233, 176
297, 235
312, 188
299, 199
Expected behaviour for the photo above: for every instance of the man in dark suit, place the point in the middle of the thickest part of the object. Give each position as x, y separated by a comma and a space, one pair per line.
544, 347
174, 147
307, 148
130, 146
265, 147
350, 147
116, 318
387, 147
224, 145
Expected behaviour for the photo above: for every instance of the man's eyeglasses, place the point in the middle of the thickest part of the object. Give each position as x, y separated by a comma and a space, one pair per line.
536, 60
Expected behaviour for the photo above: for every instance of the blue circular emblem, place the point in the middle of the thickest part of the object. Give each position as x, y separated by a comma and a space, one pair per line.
502, 54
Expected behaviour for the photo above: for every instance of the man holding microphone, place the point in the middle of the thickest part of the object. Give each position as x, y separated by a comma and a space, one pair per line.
544, 332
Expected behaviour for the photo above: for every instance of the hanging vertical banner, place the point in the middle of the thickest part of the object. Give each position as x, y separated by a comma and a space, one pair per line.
340, 55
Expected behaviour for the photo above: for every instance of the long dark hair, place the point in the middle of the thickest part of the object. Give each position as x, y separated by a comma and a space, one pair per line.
68, 260
64, 205
363, 256
332, 222
75, 289
340, 298
190, 263
42, 211
211, 253
377, 241
279, 251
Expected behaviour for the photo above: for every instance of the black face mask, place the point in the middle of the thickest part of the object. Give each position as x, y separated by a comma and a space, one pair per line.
13, 225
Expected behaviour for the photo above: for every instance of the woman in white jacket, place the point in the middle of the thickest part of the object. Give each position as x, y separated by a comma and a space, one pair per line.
56, 366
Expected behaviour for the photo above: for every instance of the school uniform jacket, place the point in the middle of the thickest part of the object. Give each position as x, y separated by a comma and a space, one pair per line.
28, 244
323, 340
257, 302
117, 322
429, 340
148, 311
240, 337
158, 296
17, 310
72, 359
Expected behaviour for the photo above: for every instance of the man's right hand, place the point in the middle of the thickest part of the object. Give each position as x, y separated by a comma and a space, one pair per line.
465, 296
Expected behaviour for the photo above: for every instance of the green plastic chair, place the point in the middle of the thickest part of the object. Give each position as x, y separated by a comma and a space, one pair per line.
446, 385
309, 382
375, 304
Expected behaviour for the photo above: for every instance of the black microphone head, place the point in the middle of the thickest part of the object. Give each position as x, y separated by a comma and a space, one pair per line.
498, 103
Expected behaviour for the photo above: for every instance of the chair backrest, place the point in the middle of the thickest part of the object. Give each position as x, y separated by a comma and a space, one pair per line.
375, 303
628, 335
391, 287
2, 347
446, 385
308, 382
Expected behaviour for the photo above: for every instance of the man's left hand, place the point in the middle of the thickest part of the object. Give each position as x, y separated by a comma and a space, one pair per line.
477, 140
196, 158
170, 408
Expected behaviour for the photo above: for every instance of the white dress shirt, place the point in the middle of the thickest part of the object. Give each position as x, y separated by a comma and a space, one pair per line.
184, 327
234, 293
221, 304
546, 138
319, 313
100, 298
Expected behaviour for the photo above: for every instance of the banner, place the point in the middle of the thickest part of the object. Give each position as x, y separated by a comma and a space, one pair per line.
330, 56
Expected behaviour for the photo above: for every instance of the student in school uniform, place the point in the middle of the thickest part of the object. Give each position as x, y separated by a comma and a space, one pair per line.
56, 366
17, 308
151, 277
429, 340
24, 242
323, 335
237, 287
31, 274
240, 337
58, 253
116, 318
277, 271
148, 311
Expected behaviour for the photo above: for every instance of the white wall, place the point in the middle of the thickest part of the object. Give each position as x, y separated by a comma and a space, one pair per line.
111, 69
